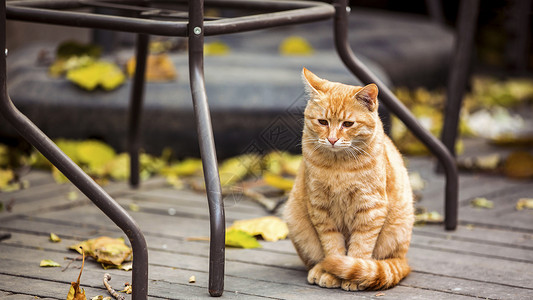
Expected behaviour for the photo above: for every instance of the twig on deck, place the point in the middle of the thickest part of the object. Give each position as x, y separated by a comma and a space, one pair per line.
114, 293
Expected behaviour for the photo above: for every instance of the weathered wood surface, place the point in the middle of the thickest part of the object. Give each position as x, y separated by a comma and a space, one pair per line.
489, 256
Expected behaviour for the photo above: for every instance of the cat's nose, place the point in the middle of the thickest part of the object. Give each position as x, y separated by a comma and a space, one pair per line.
332, 140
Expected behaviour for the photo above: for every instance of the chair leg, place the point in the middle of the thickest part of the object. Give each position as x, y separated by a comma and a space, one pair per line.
396, 107
459, 73
207, 149
74, 173
135, 108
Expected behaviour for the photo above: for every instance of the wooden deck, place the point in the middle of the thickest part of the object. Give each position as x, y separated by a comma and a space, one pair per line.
489, 256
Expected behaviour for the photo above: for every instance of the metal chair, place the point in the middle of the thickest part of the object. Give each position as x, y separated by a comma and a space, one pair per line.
145, 21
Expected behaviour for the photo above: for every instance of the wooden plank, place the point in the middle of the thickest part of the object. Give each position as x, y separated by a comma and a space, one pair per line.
291, 261
481, 235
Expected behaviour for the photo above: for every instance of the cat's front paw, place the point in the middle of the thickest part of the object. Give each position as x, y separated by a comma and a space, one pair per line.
351, 285
318, 276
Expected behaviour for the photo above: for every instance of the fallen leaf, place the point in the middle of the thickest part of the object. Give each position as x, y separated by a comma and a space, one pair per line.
524, 203
192, 279
72, 196
134, 207
187, 167
518, 165
128, 289
159, 68
100, 73
95, 154
49, 263
417, 183
216, 48
6, 176
271, 228
75, 293
105, 250
280, 182
295, 45
235, 169
240, 239
380, 294
54, 238
424, 217
482, 202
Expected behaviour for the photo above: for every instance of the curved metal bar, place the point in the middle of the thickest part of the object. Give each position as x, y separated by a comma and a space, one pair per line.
394, 105
291, 12
135, 108
207, 149
75, 174
79, 19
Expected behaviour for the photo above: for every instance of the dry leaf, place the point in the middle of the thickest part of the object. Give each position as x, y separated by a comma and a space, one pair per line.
192, 279
99, 73
75, 293
526, 203
105, 250
278, 181
240, 239
54, 238
519, 164
271, 228
295, 45
216, 48
428, 217
417, 183
159, 68
380, 294
49, 263
482, 202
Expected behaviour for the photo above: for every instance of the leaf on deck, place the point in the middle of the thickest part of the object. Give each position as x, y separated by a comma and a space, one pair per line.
240, 239
54, 238
295, 45
105, 250
49, 263
482, 202
524, 203
271, 228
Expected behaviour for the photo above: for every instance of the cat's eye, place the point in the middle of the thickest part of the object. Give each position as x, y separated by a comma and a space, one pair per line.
323, 122
347, 124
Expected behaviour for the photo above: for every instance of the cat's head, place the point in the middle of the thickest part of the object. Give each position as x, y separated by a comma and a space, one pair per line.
339, 116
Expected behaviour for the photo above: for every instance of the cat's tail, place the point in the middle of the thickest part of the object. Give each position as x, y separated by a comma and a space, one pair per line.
369, 274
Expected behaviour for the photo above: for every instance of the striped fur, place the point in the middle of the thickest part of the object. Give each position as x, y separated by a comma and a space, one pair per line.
350, 212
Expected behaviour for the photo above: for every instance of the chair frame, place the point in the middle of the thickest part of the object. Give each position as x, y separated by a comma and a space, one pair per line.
194, 27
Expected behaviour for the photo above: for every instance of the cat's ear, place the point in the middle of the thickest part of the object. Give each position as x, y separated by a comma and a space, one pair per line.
311, 82
368, 96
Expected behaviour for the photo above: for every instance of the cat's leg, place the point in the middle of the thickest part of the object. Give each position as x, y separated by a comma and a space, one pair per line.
302, 233
307, 244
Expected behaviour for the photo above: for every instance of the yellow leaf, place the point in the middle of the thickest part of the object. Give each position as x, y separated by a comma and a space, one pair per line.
428, 217
526, 203
105, 250
482, 202
54, 238
159, 67
279, 182
5, 178
240, 239
187, 167
417, 183
234, 169
105, 74
519, 164
95, 153
49, 263
295, 45
119, 167
216, 48
271, 228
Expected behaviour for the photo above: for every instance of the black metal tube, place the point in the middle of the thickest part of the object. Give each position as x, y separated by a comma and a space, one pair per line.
294, 12
75, 174
460, 68
396, 107
207, 149
79, 19
135, 107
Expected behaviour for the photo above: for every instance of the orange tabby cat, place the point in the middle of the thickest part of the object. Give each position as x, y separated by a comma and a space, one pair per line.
350, 213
